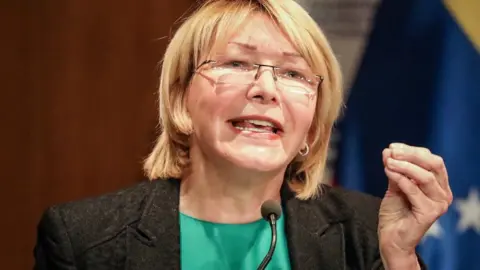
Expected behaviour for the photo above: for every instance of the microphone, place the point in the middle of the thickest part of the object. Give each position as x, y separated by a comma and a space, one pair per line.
271, 211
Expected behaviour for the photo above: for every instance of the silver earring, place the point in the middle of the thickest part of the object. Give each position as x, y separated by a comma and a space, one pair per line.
304, 151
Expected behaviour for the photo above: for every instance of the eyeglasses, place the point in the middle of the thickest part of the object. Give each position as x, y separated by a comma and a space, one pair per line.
291, 81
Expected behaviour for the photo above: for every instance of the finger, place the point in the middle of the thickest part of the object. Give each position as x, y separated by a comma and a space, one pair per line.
439, 168
413, 193
440, 171
418, 155
423, 158
420, 205
386, 153
426, 180
425, 210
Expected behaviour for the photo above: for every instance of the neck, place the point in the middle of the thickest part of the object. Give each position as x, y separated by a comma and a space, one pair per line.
217, 191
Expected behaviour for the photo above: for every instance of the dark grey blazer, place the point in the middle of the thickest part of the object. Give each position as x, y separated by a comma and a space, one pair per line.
138, 229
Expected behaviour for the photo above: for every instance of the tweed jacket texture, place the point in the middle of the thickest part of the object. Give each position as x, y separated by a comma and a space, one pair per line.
138, 229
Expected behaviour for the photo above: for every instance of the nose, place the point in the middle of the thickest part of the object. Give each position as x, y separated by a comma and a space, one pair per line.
264, 90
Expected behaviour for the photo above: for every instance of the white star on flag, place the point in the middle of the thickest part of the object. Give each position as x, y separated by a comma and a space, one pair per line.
469, 211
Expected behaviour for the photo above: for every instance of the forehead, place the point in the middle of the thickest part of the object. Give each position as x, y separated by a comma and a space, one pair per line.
264, 35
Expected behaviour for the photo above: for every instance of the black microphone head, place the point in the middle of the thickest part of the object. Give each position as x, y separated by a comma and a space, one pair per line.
271, 207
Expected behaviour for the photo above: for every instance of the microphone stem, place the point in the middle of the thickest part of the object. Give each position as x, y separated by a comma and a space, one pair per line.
273, 226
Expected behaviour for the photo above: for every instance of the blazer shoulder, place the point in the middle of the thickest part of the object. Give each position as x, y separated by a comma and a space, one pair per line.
360, 207
99, 218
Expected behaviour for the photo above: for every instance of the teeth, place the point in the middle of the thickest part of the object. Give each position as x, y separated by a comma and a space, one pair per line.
260, 123
253, 129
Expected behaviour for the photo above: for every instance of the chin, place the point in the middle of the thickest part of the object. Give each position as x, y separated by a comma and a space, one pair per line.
258, 158
260, 165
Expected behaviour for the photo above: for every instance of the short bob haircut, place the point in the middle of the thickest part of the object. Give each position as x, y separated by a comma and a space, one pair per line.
213, 23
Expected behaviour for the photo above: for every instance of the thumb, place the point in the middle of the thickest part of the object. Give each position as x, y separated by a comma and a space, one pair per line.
391, 175
392, 188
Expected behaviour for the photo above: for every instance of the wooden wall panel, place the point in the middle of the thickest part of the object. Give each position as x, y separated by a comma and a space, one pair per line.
78, 104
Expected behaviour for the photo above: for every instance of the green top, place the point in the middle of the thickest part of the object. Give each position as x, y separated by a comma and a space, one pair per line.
211, 246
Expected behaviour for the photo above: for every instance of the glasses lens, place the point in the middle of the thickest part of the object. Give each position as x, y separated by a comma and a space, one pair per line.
236, 78
296, 85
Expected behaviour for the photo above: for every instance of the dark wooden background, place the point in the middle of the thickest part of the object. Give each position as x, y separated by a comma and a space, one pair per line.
78, 104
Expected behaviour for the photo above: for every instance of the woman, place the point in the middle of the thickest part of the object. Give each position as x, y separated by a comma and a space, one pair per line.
249, 92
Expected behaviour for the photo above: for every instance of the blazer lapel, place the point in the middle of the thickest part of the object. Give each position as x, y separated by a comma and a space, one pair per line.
315, 233
314, 229
154, 243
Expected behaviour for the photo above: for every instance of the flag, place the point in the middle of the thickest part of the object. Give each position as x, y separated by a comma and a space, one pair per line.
346, 24
419, 83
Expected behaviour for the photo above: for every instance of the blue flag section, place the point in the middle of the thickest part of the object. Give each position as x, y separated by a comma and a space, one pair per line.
419, 83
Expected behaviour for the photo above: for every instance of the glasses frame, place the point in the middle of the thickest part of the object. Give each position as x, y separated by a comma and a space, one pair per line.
258, 66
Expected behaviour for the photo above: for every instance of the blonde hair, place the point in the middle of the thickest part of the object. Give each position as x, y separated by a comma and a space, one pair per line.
212, 23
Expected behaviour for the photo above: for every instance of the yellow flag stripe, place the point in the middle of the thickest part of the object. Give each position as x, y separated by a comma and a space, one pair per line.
467, 15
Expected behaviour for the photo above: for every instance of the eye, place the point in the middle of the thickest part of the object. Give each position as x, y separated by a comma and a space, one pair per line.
235, 64
294, 75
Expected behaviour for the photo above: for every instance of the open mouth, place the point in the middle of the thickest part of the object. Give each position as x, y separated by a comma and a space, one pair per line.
257, 126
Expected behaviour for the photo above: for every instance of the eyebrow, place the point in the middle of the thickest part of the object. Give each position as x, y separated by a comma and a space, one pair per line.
251, 47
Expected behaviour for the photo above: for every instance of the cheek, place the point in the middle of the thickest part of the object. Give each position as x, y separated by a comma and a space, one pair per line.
209, 107
302, 116
200, 98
